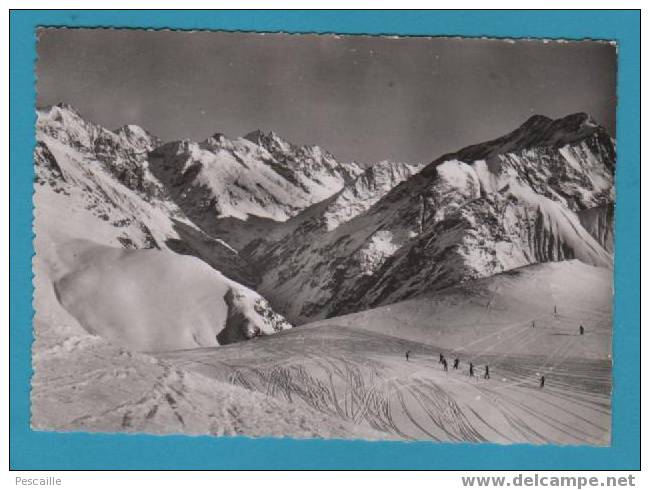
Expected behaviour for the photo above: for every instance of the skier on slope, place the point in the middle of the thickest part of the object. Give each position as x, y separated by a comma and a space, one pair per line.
471, 370
542, 382
408, 354
487, 372
445, 365
442, 358
456, 362
582, 330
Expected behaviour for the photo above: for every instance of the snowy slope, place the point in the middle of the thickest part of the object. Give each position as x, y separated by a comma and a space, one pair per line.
363, 379
113, 200
149, 300
354, 368
92, 225
494, 314
344, 378
489, 235
88, 385
457, 219
222, 184
352, 200
83, 383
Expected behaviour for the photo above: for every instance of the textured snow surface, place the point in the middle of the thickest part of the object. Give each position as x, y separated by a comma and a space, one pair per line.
84, 384
350, 369
346, 378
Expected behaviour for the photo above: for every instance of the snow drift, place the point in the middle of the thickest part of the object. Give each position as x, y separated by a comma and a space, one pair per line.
150, 300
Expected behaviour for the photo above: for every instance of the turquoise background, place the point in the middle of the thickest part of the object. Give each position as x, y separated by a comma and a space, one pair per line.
50, 451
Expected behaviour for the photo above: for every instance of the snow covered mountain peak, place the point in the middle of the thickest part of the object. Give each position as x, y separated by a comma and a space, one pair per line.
287, 152
225, 183
537, 132
138, 137
96, 199
331, 237
122, 152
64, 122
63, 108
565, 130
353, 199
483, 210
216, 139
271, 140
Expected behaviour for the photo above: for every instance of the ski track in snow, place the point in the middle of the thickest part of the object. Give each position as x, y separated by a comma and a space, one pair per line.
364, 378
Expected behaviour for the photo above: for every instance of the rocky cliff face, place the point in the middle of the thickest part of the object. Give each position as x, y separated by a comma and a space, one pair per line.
485, 209
599, 222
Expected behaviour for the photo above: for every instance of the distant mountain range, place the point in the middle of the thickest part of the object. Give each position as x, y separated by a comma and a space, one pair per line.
286, 231
538, 194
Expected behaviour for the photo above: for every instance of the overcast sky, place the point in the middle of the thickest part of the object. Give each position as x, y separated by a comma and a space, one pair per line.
362, 98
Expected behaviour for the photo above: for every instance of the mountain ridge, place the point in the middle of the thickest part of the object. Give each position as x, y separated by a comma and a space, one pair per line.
536, 131
318, 237
484, 217
93, 187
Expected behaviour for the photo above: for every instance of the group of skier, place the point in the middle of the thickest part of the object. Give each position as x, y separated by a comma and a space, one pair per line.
486, 373
445, 366
442, 360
